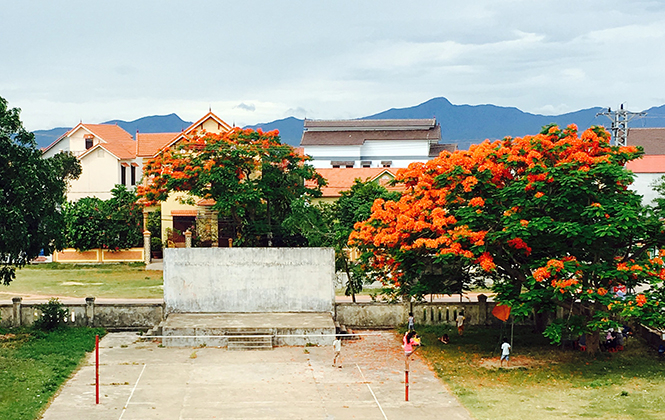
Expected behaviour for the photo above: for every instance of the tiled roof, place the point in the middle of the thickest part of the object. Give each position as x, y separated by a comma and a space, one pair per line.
349, 138
150, 143
341, 179
120, 149
436, 149
108, 132
196, 126
354, 125
651, 139
654, 164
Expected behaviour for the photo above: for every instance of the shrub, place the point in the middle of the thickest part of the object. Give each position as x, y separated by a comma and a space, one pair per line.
53, 315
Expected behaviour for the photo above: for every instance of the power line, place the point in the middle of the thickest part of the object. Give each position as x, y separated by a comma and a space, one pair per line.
620, 121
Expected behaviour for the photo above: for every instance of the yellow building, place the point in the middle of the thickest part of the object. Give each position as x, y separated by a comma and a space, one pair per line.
176, 216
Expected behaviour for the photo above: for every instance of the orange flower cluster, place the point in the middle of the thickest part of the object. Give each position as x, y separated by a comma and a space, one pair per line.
178, 167
518, 243
428, 215
640, 300
552, 267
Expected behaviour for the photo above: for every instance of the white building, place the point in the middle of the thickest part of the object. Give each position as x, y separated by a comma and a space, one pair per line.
372, 143
108, 157
651, 167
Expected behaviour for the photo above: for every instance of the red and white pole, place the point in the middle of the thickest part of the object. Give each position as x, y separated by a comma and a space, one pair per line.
406, 380
96, 369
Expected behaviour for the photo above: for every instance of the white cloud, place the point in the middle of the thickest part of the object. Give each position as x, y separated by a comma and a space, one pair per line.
344, 59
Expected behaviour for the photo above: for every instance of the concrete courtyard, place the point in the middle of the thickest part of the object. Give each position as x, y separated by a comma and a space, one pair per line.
142, 381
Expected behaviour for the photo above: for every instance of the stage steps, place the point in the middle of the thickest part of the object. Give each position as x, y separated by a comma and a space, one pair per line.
227, 330
250, 339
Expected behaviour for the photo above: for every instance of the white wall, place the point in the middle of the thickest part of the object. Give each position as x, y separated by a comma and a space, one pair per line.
249, 279
395, 150
100, 173
643, 185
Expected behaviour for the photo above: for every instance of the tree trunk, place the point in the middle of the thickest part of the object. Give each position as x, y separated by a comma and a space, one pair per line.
348, 278
593, 342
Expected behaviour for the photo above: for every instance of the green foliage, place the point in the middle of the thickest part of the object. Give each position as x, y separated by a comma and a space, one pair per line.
114, 224
550, 218
329, 225
35, 364
31, 191
53, 315
252, 177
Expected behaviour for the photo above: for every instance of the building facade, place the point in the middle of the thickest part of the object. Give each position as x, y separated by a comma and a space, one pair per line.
371, 143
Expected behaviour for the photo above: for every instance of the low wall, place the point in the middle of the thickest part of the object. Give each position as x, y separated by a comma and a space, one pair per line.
99, 256
209, 280
138, 316
392, 315
114, 316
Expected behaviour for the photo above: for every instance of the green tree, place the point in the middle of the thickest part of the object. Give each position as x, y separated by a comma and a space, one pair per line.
31, 192
114, 224
550, 217
329, 225
252, 177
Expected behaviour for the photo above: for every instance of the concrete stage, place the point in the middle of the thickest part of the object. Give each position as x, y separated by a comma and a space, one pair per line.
315, 328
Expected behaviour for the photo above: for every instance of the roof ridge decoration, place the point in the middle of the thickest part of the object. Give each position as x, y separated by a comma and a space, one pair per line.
210, 115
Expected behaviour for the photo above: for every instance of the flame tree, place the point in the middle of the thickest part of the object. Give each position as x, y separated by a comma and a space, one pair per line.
549, 217
251, 176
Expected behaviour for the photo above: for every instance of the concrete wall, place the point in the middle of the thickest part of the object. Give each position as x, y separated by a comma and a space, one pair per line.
249, 279
114, 316
391, 315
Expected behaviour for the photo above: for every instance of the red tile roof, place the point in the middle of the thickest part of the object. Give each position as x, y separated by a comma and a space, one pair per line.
654, 164
341, 179
150, 143
108, 132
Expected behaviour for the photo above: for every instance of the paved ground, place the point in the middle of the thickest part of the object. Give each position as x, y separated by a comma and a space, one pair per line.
141, 381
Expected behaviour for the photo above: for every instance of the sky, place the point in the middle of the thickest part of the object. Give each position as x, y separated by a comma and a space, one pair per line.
257, 61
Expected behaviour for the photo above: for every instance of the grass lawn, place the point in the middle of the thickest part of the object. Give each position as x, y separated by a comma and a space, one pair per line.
102, 281
34, 365
545, 382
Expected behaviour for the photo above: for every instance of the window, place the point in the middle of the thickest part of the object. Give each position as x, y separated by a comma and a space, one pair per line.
342, 163
386, 163
366, 163
88, 141
132, 175
123, 175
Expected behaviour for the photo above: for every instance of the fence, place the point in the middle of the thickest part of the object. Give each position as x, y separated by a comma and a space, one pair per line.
136, 316
391, 315
114, 316
71, 255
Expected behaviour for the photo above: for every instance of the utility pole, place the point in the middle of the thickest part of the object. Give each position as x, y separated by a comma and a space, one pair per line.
620, 121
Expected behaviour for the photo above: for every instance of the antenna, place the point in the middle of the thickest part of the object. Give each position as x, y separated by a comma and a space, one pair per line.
620, 120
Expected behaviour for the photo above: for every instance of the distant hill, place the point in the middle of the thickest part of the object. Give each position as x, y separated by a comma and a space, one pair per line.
290, 129
155, 124
469, 124
461, 124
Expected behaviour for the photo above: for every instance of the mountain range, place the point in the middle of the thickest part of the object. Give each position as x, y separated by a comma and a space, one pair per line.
461, 124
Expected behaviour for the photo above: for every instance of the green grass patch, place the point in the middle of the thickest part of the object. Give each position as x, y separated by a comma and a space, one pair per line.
79, 281
544, 381
34, 365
